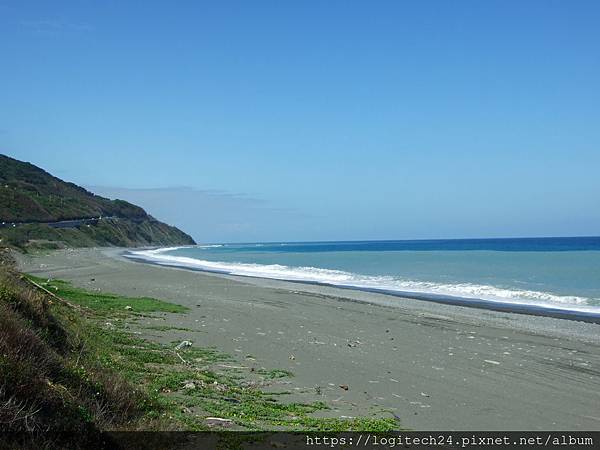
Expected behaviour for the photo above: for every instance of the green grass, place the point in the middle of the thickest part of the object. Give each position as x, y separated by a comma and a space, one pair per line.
102, 302
51, 377
161, 373
158, 370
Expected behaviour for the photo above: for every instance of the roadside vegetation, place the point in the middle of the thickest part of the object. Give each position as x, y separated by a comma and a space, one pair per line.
120, 232
70, 362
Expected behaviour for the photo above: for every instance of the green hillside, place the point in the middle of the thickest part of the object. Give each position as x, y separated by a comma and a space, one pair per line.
28, 193
33, 199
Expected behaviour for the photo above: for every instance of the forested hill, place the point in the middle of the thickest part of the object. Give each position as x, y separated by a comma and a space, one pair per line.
32, 201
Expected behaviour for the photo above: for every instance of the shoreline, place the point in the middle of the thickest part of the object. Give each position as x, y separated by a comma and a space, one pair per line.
436, 366
516, 308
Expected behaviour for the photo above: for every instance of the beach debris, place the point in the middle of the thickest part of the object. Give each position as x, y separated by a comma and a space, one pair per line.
318, 390
354, 343
189, 385
218, 421
184, 344
228, 366
424, 394
92, 279
490, 361
128, 308
344, 387
292, 357
219, 387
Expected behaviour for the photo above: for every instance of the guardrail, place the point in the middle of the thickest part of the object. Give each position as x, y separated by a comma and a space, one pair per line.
71, 223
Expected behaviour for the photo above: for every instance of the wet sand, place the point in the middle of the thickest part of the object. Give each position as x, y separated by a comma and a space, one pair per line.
435, 366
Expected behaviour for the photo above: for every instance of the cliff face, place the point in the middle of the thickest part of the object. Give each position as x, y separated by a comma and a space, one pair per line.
38, 209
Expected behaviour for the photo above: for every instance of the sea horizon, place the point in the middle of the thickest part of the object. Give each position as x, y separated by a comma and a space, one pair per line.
407, 239
415, 240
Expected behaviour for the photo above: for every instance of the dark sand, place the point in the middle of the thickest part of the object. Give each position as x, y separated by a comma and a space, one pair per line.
437, 367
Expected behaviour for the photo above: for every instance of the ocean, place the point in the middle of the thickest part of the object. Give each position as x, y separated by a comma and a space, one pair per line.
554, 274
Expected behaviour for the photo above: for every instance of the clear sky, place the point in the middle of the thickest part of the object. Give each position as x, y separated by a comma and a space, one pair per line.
315, 120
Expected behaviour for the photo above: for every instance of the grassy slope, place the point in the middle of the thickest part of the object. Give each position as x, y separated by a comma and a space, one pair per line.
49, 380
76, 367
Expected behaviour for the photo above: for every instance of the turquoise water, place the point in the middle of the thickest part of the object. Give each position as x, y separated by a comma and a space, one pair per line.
551, 272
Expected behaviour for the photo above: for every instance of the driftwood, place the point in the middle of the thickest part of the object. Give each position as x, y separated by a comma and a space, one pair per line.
182, 360
51, 294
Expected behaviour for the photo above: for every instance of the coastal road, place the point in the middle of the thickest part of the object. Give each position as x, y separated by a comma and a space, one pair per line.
71, 223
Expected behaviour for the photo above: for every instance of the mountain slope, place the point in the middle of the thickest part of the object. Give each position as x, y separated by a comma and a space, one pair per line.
33, 200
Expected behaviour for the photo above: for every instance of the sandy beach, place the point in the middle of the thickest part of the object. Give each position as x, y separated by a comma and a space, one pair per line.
436, 367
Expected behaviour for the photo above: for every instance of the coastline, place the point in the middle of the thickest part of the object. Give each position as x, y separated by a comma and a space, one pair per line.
436, 366
517, 308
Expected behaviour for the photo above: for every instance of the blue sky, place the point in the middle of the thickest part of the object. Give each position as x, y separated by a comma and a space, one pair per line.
315, 120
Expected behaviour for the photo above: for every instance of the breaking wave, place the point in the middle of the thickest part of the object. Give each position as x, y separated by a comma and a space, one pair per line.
463, 291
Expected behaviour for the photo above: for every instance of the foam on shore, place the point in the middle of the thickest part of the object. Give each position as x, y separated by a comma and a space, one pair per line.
462, 293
